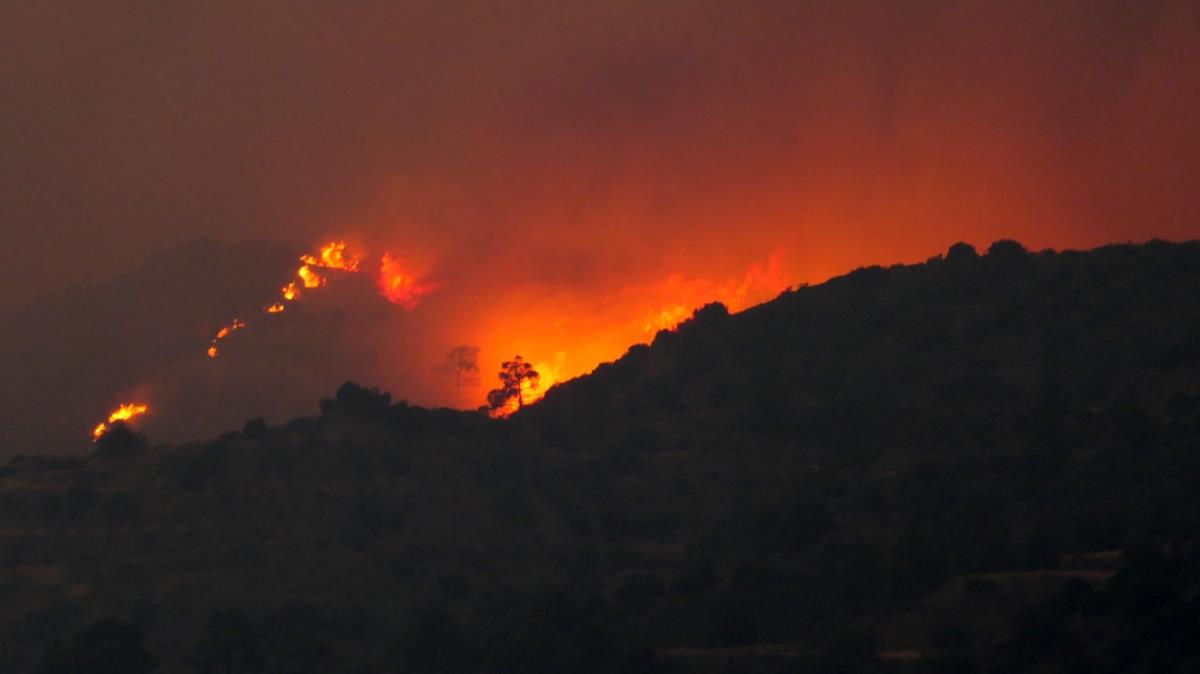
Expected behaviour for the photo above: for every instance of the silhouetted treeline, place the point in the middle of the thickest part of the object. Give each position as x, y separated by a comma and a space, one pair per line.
985, 463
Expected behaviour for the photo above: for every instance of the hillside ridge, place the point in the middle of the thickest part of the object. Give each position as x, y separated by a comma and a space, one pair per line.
978, 463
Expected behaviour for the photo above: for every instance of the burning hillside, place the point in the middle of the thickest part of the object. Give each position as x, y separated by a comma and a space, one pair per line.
564, 334
315, 271
126, 412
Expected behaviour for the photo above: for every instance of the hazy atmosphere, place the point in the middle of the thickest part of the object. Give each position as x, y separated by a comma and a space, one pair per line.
608, 337
566, 178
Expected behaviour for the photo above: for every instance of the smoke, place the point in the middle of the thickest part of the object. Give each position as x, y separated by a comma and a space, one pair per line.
551, 166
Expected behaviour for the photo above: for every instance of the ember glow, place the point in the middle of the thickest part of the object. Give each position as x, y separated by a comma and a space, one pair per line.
126, 412
224, 332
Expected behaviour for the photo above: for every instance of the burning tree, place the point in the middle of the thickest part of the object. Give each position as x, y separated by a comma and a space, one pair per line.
515, 376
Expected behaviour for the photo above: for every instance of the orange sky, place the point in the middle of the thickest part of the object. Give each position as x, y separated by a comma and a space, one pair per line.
563, 169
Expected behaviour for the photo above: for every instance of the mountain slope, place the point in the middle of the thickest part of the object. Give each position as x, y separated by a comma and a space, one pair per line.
982, 463
70, 357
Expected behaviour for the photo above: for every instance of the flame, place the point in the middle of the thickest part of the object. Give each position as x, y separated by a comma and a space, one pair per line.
398, 286
310, 278
590, 328
224, 332
332, 256
665, 318
683, 295
125, 412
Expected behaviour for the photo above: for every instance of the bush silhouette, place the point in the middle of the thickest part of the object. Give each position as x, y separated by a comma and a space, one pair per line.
120, 443
255, 428
961, 253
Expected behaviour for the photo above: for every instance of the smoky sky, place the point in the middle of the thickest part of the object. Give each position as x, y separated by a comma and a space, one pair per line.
568, 174
594, 139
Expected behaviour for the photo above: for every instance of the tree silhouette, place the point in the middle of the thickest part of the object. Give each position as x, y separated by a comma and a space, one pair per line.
462, 363
513, 374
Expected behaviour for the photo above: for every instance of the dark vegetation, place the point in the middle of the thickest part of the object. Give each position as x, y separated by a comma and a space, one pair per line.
514, 374
986, 463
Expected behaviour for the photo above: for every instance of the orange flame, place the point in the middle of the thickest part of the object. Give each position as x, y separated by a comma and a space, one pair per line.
224, 332
589, 330
310, 278
682, 295
398, 286
125, 412
332, 256
665, 319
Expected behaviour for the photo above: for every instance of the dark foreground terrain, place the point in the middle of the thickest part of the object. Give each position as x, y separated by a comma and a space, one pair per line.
986, 463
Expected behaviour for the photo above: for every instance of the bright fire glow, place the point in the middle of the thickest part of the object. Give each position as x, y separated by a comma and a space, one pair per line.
580, 330
665, 318
583, 330
682, 295
310, 278
125, 412
400, 287
532, 391
332, 256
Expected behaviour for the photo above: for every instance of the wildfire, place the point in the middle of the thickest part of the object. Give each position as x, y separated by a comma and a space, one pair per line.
592, 332
593, 329
224, 332
398, 286
332, 256
681, 295
666, 318
125, 412
310, 278
533, 390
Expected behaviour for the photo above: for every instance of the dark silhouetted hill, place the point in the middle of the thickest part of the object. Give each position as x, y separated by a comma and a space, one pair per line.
985, 463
